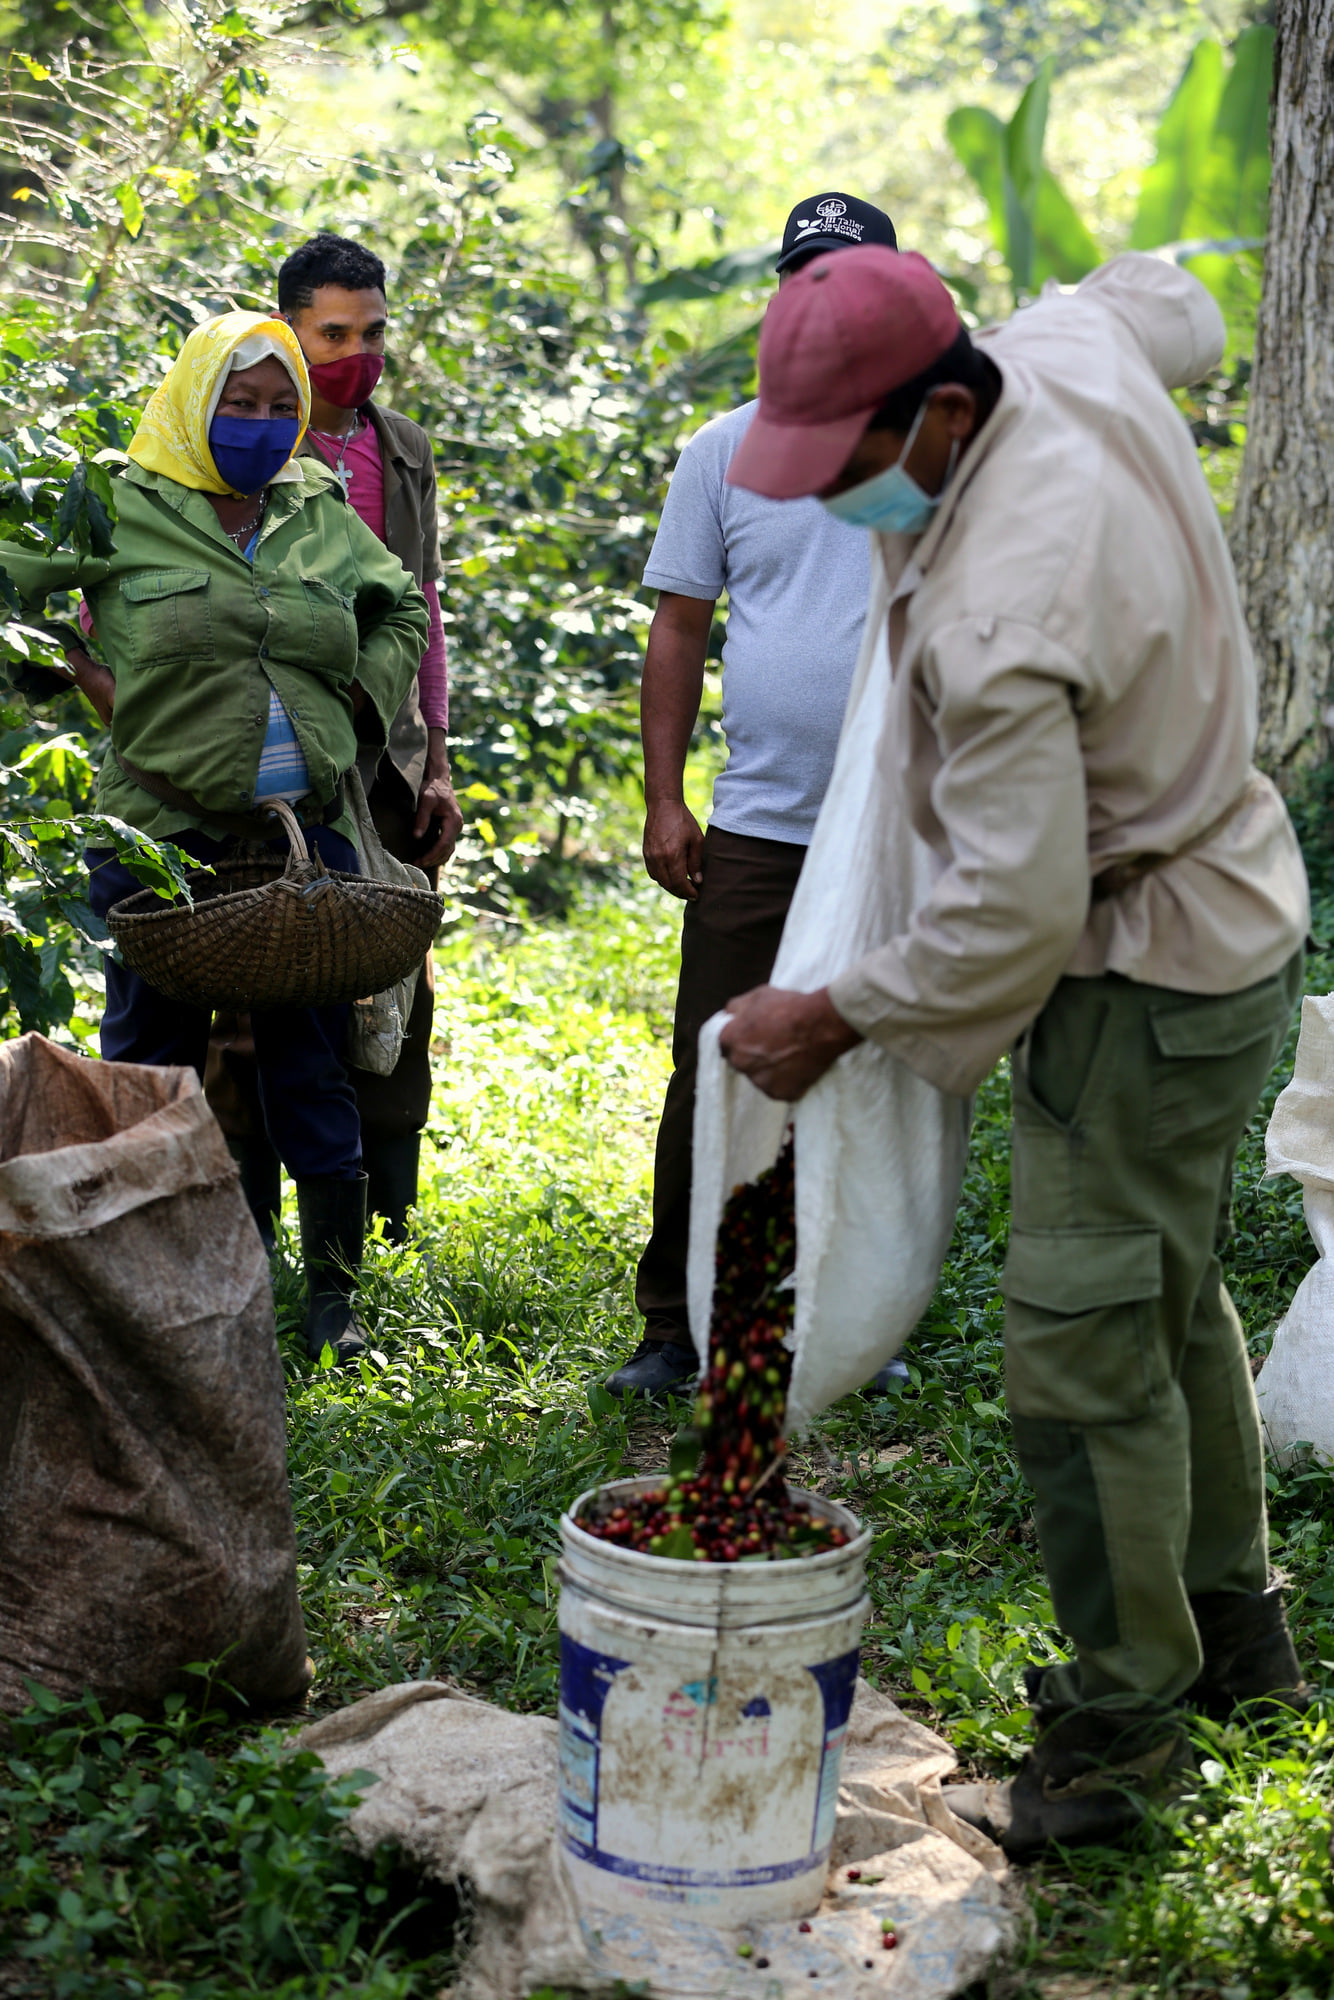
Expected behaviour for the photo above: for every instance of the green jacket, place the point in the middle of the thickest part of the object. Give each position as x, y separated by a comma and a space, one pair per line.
195, 637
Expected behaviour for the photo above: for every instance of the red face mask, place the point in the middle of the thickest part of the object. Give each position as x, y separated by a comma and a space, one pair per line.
346, 384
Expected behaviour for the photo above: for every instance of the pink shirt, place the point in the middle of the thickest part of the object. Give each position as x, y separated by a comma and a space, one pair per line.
365, 489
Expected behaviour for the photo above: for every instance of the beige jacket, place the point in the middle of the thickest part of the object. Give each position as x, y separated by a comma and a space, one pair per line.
1074, 688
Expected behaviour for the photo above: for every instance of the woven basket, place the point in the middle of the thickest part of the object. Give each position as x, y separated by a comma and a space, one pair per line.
264, 934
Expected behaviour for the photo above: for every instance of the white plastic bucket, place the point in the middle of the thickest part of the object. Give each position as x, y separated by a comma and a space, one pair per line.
702, 1716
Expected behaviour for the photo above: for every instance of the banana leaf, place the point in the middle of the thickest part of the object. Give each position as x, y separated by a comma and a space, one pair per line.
1232, 188
1052, 241
1184, 139
1023, 171
1232, 198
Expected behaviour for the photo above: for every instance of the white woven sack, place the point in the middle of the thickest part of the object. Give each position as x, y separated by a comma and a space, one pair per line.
1295, 1388
879, 1152
379, 1022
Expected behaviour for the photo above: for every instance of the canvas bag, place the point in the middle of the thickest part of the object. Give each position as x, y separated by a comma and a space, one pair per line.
380, 1021
469, 1796
145, 1516
879, 1151
1295, 1388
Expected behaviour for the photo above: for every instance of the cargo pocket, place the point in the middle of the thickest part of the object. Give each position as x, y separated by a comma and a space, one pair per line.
1213, 1055
1080, 1323
1059, 1073
169, 617
331, 648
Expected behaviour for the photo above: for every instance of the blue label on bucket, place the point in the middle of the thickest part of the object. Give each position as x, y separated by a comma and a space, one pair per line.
585, 1677
679, 1730
838, 1683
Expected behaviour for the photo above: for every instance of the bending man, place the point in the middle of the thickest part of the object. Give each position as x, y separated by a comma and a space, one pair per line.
1122, 902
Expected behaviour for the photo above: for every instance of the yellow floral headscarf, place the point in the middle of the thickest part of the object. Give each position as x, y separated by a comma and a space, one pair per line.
172, 437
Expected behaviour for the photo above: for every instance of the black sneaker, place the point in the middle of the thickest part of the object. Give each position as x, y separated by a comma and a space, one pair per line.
657, 1369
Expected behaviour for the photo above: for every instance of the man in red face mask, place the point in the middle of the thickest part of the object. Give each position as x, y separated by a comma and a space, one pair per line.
332, 293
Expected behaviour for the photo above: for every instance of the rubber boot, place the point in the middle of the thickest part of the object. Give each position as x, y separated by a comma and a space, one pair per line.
391, 1179
656, 1370
1087, 1781
261, 1183
333, 1232
1249, 1658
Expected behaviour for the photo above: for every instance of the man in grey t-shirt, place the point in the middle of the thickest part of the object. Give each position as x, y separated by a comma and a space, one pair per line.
797, 583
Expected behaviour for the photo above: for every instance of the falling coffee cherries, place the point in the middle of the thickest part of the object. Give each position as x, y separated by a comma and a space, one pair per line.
733, 1504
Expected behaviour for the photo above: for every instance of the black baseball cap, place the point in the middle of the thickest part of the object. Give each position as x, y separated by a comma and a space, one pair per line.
832, 222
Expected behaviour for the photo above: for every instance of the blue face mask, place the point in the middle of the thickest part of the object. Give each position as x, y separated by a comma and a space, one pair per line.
891, 501
249, 450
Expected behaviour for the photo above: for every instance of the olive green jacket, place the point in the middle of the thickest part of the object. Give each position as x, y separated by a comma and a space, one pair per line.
196, 636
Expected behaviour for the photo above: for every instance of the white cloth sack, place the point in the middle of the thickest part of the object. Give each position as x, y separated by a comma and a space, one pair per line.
1295, 1388
879, 1151
380, 1021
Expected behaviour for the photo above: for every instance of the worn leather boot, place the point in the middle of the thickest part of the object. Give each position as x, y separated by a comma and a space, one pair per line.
333, 1233
1086, 1782
1249, 1659
391, 1179
656, 1370
261, 1183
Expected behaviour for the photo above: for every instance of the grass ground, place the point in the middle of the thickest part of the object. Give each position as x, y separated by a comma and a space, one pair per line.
191, 1861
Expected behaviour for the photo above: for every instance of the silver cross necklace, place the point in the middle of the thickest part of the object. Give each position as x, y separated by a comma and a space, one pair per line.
337, 441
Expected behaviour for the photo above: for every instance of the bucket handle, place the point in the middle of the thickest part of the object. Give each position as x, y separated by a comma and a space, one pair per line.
298, 848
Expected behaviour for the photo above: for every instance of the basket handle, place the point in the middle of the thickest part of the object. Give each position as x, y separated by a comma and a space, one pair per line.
298, 848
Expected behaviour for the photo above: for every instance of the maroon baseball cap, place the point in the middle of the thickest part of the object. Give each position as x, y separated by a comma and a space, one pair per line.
837, 339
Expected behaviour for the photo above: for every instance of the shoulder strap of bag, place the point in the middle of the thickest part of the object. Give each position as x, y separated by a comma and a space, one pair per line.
377, 863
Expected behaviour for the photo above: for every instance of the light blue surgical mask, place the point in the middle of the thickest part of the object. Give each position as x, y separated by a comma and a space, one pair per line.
891, 501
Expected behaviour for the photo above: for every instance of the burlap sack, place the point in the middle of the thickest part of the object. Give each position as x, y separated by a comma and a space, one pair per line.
145, 1518
469, 1795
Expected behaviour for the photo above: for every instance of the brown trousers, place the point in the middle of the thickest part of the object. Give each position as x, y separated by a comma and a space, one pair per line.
729, 940
389, 1106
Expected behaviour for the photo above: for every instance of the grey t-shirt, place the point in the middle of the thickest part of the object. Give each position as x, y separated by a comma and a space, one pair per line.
797, 584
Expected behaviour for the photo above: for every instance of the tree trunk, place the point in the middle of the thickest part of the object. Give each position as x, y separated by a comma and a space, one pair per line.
1283, 525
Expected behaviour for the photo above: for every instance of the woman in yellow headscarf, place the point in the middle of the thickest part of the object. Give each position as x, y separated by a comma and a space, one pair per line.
256, 633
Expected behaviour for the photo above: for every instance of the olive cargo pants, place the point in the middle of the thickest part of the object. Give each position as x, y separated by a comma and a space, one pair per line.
1127, 1378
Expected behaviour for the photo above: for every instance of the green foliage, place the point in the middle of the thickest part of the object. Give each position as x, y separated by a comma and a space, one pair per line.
1230, 203
561, 66
1031, 219
1010, 39
103, 225
1184, 138
706, 280
1205, 195
164, 1856
1260, 1840
50, 941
